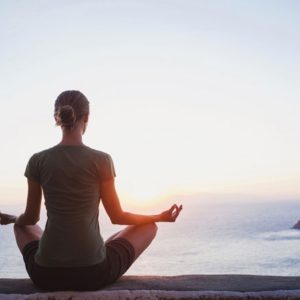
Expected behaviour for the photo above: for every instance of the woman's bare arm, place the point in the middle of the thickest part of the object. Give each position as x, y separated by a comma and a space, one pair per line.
32, 212
116, 214
33, 208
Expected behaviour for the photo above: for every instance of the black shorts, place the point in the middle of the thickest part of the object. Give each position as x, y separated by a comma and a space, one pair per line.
119, 257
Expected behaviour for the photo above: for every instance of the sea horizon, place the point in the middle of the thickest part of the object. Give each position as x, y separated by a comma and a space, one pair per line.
208, 238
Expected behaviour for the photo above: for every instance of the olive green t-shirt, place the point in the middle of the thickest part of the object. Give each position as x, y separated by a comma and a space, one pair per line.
70, 177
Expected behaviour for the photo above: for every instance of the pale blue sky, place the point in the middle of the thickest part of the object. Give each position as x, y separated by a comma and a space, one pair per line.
187, 96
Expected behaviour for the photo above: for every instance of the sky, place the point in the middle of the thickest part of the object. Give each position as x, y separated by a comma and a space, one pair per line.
189, 97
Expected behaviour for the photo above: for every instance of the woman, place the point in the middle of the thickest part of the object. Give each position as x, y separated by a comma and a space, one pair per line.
70, 252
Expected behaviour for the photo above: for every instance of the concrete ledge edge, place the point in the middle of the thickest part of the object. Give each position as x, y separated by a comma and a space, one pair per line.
154, 295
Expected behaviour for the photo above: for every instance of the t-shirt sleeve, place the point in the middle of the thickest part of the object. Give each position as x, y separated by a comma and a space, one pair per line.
107, 169
32, 170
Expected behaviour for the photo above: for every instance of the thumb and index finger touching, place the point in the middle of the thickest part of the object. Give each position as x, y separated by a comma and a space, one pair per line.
6, 219
175, 211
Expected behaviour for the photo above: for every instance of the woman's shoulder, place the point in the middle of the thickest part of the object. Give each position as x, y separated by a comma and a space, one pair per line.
55, 150
38, 157
98, 153
40, 153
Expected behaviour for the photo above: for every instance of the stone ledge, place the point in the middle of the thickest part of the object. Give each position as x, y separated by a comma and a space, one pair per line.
168, 287
157, 295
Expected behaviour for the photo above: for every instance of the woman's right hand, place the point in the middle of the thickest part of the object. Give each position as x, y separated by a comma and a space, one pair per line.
7, 219
171, 214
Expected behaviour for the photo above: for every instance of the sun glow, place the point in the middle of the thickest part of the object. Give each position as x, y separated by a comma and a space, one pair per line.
141, 196
183, 104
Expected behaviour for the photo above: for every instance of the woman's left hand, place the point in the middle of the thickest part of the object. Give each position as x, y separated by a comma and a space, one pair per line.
7, 219
171, 214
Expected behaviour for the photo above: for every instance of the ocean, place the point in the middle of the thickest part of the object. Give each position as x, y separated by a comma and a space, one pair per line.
239, 237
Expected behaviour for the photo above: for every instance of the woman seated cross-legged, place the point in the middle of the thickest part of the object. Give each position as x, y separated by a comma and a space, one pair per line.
70, 253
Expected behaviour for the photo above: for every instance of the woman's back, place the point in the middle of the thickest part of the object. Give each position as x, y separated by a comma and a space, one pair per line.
70, 177
70, 253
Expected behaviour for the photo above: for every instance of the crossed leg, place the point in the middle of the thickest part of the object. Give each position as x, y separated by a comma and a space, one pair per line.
139, 236
27, 234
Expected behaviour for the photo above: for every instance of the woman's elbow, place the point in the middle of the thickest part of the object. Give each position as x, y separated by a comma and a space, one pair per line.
117, 221
34, 221
116, 217
31, 221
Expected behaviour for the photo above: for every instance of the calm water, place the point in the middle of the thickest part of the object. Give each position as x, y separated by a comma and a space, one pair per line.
244, 238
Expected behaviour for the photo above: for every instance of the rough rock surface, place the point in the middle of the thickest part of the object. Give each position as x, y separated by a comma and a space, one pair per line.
168, 287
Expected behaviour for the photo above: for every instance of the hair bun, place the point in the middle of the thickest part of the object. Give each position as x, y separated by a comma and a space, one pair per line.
69, 108
66, 116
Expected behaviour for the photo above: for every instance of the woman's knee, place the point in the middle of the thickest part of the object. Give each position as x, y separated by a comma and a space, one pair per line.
27, 233
153, 228
25, 229
149, 229
139, 236
18, 229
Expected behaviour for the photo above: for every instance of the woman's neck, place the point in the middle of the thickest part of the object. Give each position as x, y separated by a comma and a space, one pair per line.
73, 137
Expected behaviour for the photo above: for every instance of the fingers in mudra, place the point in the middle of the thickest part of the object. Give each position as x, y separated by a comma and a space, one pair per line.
7, 219
175, 212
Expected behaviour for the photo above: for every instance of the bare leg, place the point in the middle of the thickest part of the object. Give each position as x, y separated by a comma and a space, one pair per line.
139, 236
27, 234
112, 237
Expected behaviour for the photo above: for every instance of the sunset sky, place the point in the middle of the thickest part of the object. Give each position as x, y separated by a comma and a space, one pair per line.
189, 97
